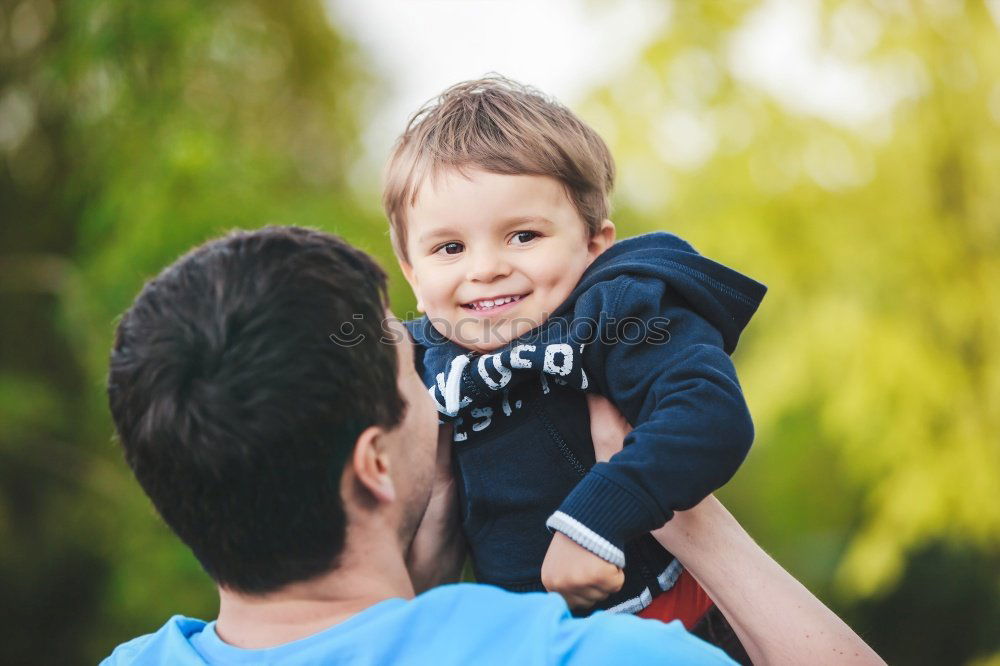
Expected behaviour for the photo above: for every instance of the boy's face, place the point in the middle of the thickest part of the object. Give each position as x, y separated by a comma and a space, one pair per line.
477, 237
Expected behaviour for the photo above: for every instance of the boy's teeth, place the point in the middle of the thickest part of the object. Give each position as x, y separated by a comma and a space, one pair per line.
492, 303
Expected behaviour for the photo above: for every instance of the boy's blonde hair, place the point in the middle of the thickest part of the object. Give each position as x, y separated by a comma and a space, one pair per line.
503, 127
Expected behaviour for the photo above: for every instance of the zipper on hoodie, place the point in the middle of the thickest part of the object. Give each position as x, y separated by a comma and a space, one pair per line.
561, 444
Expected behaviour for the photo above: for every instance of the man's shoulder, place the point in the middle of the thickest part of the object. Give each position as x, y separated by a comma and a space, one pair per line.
479, 619
168, 645
483, 601
611, 638
539, 627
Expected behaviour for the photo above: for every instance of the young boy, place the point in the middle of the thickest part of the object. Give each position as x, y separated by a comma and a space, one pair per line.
498, 202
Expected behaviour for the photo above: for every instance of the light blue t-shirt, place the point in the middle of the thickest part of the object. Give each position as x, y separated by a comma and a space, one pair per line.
452, 624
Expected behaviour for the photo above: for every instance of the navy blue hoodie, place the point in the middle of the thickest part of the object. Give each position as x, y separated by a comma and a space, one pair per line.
650, 326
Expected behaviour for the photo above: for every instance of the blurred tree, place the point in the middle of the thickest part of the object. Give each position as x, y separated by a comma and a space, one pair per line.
873, 368
130, 131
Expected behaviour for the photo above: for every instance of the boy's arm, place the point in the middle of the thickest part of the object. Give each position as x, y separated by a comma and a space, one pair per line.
693, 426
438, 549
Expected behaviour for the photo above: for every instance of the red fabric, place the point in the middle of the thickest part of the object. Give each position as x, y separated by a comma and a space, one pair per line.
685, 601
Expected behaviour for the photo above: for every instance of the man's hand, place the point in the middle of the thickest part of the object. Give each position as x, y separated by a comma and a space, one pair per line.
607, 427
580, 576
437, 552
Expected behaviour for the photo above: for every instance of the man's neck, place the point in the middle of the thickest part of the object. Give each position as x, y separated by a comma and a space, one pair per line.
361, 580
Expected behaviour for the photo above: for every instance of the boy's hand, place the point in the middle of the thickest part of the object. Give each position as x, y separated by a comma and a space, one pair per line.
581, 577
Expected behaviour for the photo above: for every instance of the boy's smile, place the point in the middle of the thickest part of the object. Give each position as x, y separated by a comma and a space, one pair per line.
488, 307
491, 256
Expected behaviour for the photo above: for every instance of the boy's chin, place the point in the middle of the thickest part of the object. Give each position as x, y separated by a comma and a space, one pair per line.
483, 336
476, 338
484, 346
487, 338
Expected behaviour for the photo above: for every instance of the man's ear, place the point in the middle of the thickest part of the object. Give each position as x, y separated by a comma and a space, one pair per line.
602, 240
408, 273
370, 464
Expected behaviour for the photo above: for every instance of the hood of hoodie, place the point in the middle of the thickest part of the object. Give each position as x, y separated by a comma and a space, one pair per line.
724, 297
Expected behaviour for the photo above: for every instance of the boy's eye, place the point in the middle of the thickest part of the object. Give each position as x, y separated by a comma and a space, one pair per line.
525, 236
449, 248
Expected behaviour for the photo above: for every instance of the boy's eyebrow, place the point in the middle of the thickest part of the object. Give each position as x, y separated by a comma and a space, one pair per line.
439, 232
527, 219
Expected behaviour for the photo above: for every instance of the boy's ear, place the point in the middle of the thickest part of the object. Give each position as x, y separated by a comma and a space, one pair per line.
407, 269
602, 240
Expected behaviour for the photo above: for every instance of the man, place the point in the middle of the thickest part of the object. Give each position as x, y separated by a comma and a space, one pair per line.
283, 433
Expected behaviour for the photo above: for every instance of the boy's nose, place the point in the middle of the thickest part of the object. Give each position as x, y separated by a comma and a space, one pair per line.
487, 267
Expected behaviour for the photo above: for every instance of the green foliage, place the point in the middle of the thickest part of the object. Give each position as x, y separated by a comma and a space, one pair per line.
873, 367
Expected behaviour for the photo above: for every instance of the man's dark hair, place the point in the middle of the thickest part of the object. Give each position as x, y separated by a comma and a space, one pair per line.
237, 410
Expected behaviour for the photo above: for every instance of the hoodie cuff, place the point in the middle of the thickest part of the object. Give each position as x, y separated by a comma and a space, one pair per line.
601, 516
